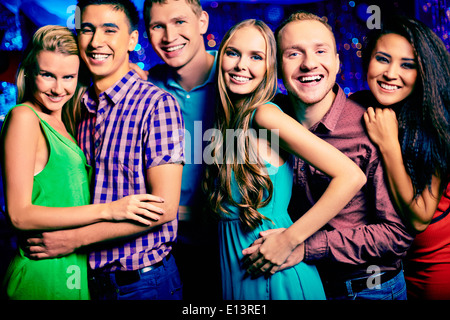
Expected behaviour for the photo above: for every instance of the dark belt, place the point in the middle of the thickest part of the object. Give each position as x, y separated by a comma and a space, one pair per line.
122, 277
336, 289
128, 277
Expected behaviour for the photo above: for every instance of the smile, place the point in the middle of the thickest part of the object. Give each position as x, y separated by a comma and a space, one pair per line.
55, 98
308, 79
171, 49
240, 79
99, 56
388, 87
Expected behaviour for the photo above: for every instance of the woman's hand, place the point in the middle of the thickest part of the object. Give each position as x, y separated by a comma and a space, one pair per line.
382, 126
273, 252
136, 208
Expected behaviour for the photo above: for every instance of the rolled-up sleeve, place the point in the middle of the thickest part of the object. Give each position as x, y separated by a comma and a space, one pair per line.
164, 141
384, 236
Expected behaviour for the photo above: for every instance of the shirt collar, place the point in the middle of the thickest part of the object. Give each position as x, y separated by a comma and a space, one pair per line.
331, 118
115, 93
211, 79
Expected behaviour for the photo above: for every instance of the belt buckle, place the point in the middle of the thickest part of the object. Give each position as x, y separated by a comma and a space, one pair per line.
146, 269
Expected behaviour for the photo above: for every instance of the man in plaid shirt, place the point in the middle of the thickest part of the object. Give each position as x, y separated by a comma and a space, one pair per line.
132, 134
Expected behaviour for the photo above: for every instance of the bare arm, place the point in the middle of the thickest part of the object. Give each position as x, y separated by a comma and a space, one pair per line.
347, 180
164, 181
25, 146
382, 127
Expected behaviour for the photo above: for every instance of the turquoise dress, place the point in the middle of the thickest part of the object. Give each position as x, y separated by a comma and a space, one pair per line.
300, 282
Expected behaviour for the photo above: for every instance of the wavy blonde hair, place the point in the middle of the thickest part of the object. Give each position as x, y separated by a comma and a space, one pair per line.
54, 39
255, 186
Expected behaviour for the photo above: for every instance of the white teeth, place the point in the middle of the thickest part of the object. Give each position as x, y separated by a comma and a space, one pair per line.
175, 48
100, 57
240, 79
310, 78
55, 99
388, 87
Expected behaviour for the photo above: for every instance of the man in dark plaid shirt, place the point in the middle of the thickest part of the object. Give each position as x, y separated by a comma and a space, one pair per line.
132, 133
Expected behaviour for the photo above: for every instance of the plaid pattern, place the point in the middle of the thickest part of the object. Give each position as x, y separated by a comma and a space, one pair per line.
131, 127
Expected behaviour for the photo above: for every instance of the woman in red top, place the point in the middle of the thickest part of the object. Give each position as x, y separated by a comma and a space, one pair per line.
408, 118
428, 261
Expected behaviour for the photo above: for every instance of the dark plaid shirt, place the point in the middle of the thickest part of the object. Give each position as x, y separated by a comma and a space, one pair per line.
129, 128
368, 231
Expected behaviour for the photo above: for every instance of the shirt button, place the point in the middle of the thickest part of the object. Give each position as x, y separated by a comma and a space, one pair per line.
97, 143
188, 96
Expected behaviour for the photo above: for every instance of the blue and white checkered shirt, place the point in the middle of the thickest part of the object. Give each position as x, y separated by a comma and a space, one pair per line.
129, 128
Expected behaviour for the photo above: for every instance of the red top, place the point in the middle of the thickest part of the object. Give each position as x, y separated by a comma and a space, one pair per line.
433, 245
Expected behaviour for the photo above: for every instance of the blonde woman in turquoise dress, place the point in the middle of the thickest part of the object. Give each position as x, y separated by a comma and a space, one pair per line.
45, 172
249, 181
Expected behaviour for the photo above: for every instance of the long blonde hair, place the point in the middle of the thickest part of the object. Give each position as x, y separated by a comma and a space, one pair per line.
54, 39
255, 186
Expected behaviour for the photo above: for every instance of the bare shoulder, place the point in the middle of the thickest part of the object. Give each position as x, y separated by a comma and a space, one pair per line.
23, 112
22, 118
270, 116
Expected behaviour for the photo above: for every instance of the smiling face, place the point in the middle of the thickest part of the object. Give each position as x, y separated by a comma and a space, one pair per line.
392, 71
56, 80
105, 41
176, 32
244, 61
309, 61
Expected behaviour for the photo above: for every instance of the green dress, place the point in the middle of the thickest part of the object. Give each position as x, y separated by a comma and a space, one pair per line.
64, 182
300, 282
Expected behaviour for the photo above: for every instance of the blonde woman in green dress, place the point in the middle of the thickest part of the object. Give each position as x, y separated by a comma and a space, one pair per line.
45, 173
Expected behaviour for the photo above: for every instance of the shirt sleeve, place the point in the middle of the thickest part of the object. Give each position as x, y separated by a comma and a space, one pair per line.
384, 236
164, 139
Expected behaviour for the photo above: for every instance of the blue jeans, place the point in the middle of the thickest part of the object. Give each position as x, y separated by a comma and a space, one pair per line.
161, 283
394, 289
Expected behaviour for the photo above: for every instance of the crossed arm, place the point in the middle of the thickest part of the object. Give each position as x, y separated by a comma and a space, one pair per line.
163, 181
346, 180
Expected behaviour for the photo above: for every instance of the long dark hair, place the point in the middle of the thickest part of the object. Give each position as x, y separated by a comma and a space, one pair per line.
423, 117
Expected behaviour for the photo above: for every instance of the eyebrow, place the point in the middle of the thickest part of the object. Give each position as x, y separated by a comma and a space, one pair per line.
181, 17
301, 46
389, 56
105, 25
43, 71
253, 52
174, 19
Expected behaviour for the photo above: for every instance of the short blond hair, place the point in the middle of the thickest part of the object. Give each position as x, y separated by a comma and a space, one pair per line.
304, 16
194, 4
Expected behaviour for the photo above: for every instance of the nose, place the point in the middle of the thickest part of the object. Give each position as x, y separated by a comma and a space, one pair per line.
391, 72
96, 40
309, 62
169, 34
241, 64
58, 87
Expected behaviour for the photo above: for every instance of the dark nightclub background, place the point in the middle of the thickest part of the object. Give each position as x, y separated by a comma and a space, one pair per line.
19, 19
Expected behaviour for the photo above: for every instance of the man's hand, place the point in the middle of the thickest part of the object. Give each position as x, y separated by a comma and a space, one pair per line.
141, 73
51, 244
294, 258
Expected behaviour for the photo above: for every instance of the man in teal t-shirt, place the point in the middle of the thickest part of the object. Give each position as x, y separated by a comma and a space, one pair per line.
175, 30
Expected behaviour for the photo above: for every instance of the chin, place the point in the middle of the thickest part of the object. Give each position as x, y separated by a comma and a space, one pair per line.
386, 101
